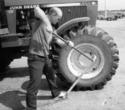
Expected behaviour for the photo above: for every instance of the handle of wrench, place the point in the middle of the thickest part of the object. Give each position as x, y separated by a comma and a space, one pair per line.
76, 81
72, 47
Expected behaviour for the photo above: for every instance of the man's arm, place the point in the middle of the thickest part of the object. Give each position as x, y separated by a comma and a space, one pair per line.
62, 42
39, 13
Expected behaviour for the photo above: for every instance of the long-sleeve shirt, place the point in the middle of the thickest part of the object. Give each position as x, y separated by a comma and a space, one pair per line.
41, 34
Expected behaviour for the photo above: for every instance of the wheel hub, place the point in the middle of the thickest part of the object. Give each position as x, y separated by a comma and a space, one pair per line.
85, 61
77, 63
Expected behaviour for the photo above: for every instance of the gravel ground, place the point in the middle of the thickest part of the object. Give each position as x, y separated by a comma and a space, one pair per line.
111, 97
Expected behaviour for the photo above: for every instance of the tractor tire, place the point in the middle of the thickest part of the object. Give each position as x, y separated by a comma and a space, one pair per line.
98, 46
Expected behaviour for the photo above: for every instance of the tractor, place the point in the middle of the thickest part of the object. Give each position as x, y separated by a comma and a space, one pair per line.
78, 25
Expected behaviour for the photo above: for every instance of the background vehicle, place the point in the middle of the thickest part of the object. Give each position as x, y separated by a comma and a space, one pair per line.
101, 17
110, 15
120, 14
78, 24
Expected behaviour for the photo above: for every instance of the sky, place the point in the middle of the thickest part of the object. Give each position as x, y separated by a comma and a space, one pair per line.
111, 4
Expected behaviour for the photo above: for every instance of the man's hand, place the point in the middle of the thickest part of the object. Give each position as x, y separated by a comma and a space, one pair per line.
70, 43
62, 41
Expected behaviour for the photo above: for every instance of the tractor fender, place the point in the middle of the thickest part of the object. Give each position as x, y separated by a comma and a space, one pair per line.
71, 23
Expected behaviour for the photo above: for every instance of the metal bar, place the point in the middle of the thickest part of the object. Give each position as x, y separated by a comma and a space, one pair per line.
72, 47
74, 84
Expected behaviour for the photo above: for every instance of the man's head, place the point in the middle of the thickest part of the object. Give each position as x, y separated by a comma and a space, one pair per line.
55, 14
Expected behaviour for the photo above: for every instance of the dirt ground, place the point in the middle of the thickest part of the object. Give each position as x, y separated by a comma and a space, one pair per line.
111, 97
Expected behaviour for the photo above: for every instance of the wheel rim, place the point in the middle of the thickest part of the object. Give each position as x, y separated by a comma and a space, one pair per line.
78, 63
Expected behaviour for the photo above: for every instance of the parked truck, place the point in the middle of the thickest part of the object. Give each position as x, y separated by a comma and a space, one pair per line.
78, 24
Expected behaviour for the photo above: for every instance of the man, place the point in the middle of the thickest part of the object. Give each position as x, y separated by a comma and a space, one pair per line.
38, 52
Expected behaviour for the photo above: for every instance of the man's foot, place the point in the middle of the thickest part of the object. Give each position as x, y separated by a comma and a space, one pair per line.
62, 95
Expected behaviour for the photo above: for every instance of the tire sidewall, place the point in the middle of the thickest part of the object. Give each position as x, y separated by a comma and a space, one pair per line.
96, 41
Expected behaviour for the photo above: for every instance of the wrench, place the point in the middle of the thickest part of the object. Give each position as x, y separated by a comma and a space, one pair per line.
72, 47
71, 87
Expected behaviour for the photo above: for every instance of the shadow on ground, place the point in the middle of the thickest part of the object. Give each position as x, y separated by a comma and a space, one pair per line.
13, 99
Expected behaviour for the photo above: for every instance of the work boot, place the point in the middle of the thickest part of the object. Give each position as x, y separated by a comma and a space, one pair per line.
31, 101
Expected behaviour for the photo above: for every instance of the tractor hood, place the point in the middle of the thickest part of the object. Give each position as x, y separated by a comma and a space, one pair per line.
42, 2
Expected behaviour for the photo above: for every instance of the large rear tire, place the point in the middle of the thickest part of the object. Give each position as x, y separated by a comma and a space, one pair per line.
100, 47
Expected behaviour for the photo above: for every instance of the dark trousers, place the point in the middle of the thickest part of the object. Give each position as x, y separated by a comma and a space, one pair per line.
38, 65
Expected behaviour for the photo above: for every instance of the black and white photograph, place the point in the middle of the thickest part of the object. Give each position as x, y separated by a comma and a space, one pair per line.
62, 54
